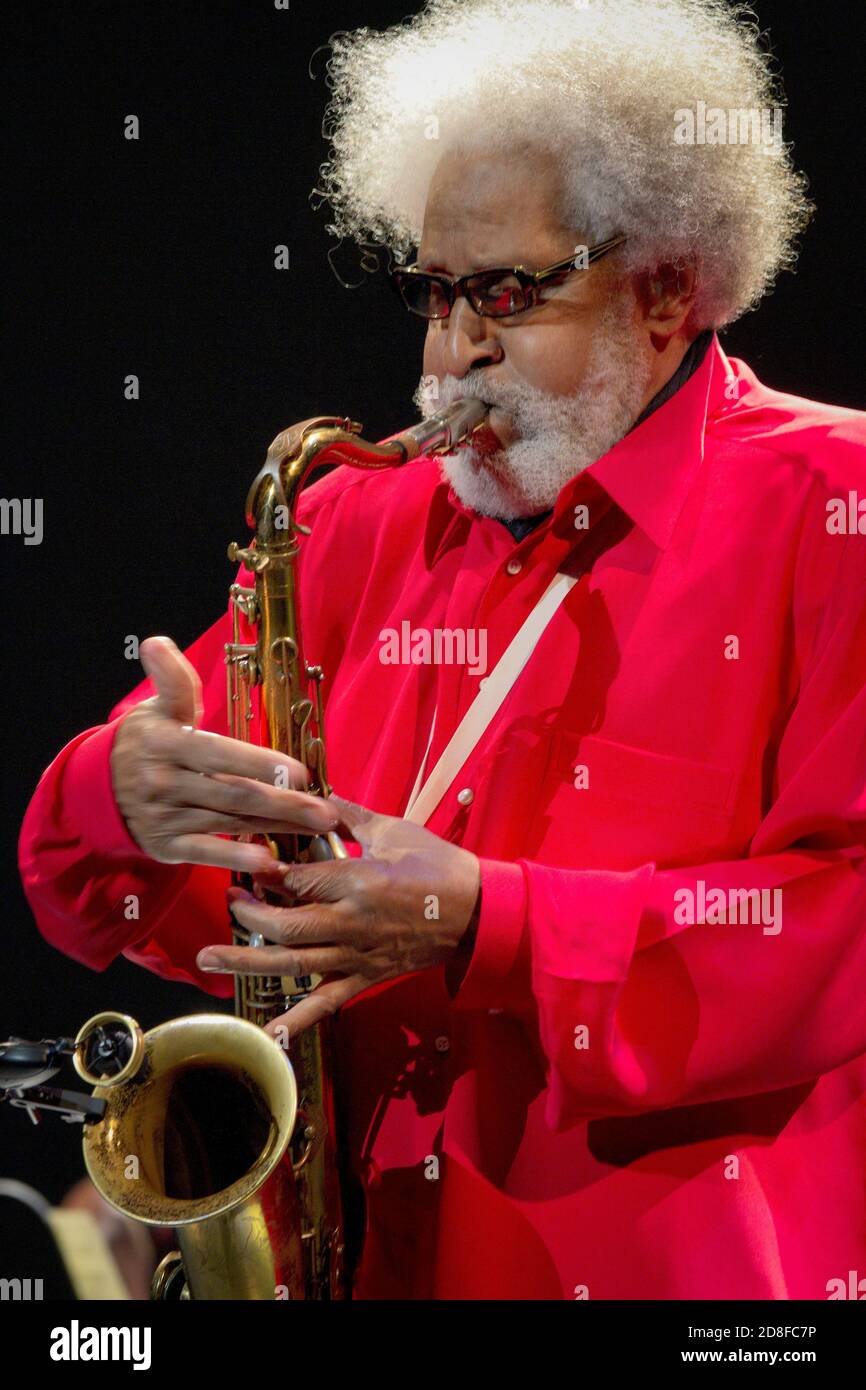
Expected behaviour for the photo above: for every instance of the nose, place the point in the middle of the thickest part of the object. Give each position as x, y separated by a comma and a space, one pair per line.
471, 340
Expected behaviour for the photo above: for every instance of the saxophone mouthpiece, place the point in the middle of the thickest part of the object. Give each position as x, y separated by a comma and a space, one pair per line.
444, 430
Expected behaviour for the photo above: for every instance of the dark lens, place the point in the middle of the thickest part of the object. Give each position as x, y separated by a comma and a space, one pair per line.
424, 295
497, 295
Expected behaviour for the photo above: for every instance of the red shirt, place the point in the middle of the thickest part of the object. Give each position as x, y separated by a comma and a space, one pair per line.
626, 1098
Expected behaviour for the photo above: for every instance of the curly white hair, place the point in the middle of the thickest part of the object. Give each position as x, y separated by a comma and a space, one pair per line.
599, 83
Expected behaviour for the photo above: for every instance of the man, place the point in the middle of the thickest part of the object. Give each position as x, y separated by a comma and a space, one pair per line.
602, 1015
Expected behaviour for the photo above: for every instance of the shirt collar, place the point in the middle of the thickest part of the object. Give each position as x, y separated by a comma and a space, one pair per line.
648, 473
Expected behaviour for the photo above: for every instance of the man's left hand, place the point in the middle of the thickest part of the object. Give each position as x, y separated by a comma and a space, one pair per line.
403, 906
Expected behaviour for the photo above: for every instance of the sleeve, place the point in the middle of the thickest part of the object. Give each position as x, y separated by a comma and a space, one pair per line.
640, 1004
93, 892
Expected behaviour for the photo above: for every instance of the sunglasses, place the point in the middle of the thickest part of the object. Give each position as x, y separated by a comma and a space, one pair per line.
496, 294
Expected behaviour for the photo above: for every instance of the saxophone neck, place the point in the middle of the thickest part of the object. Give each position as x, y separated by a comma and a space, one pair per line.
330, 439
293, 455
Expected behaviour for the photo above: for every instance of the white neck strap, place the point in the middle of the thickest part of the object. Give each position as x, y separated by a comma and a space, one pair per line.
493, 690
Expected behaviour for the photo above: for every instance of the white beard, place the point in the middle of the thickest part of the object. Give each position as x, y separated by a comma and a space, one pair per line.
558, 436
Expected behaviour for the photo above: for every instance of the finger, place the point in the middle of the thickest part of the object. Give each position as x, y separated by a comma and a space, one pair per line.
357, 821
322, 880
178, 688
214, 852
254, 805
287, 926
218, 755
274, 960
273, 877
169, 822
324, 1001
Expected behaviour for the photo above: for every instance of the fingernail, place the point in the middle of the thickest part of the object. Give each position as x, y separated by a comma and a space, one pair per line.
206, 960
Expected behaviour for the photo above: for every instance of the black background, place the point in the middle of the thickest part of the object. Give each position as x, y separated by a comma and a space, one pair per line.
156, 257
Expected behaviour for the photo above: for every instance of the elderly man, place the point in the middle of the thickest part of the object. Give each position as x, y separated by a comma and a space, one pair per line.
622, 1055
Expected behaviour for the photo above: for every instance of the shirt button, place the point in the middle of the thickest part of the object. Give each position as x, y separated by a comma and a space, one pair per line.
514, 567
466, 796
442, 1044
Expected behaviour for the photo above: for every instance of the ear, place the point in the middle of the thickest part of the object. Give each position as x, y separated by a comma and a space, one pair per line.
665, 296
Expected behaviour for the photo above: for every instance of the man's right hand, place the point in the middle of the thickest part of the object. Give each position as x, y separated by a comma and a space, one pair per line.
179, 788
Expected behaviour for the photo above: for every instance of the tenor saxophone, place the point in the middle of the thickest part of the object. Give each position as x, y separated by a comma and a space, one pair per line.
207, 1124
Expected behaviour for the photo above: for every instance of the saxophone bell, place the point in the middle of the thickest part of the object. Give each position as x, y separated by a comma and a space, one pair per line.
198, 1119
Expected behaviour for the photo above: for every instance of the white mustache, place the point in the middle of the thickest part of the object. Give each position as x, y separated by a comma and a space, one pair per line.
552, 436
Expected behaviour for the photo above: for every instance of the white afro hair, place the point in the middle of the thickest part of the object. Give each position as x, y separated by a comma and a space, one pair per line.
597, 83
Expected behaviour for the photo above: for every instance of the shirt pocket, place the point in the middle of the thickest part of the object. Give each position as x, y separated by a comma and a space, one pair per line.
612, 805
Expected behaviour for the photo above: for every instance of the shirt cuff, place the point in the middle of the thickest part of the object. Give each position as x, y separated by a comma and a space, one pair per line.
498, 970
586, 922
89, 796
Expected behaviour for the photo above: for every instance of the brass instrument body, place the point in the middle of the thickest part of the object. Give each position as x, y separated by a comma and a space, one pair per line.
291, 720
275, 1229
